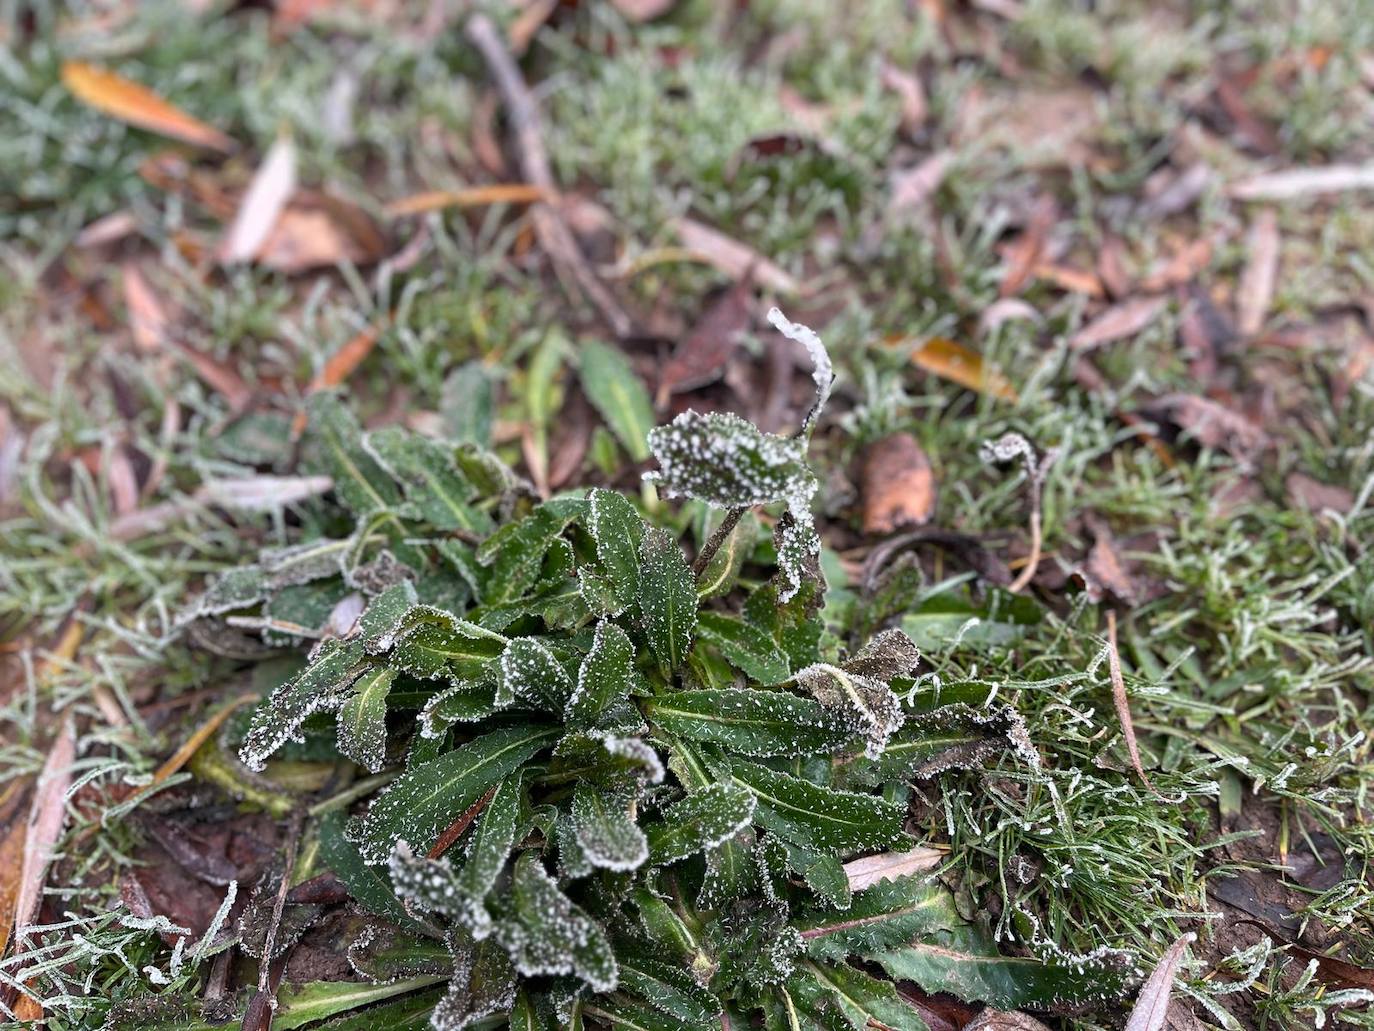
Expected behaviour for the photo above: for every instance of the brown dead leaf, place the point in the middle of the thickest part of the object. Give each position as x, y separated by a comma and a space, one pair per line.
898, 486
1310, 493
1122, 702
221, 378
575, 426
734, 259
46, 819
912, 187
107, 229
1118, 322
1189, 260
1255, 292
870, 870
1152, 1005
1104, 572
317, 231
147, 318
1070, 279
910, 94
701, 357
473, 196
1256, 134
11, 861
1025, 252
1213, 425
262, 204
955, 362
1111, 266
129, 102
1178, 193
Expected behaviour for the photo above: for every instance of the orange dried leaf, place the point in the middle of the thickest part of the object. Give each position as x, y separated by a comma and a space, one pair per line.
476, 196
955, 362
130, 102
898, 485
46, 819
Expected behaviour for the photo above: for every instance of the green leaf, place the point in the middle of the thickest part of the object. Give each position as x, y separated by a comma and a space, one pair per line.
469, 702
483, 985
369, 885
487, 853
722, 571
604, 677
530, 673
814, 817
954, 736
704, 819
824, 875
867, 705
433, 644
466, 404
410, 1013
362, 719
382, 953
750, 722
959, 963
669, 989
434, 487
361, 484
546, 933
427, 798
749, 648
617, 529
667, 599
515, 552
866, 1001
889, 913
298, 1005
384, 615
729, 462
619, 395
633, 1016
321, 686
607, 834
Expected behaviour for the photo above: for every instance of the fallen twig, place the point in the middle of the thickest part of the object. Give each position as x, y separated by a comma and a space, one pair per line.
527, 132
259, 1012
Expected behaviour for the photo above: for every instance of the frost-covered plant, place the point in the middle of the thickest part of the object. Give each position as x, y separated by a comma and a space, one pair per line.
625, 789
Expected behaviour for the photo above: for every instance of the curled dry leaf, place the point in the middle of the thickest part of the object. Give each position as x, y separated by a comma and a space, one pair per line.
137, 105
734, 259
272, 186
1118, 322
1152, 1005
318, 231
898, 485
472, 197
1214, 425
887, 866
1256, 289
955, 362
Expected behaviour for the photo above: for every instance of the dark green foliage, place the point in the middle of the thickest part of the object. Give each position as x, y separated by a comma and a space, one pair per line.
618, 790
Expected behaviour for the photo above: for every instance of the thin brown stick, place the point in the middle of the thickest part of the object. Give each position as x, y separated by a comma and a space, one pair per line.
1027, 573
1123, 706
527, 132
717, 538
265, 988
